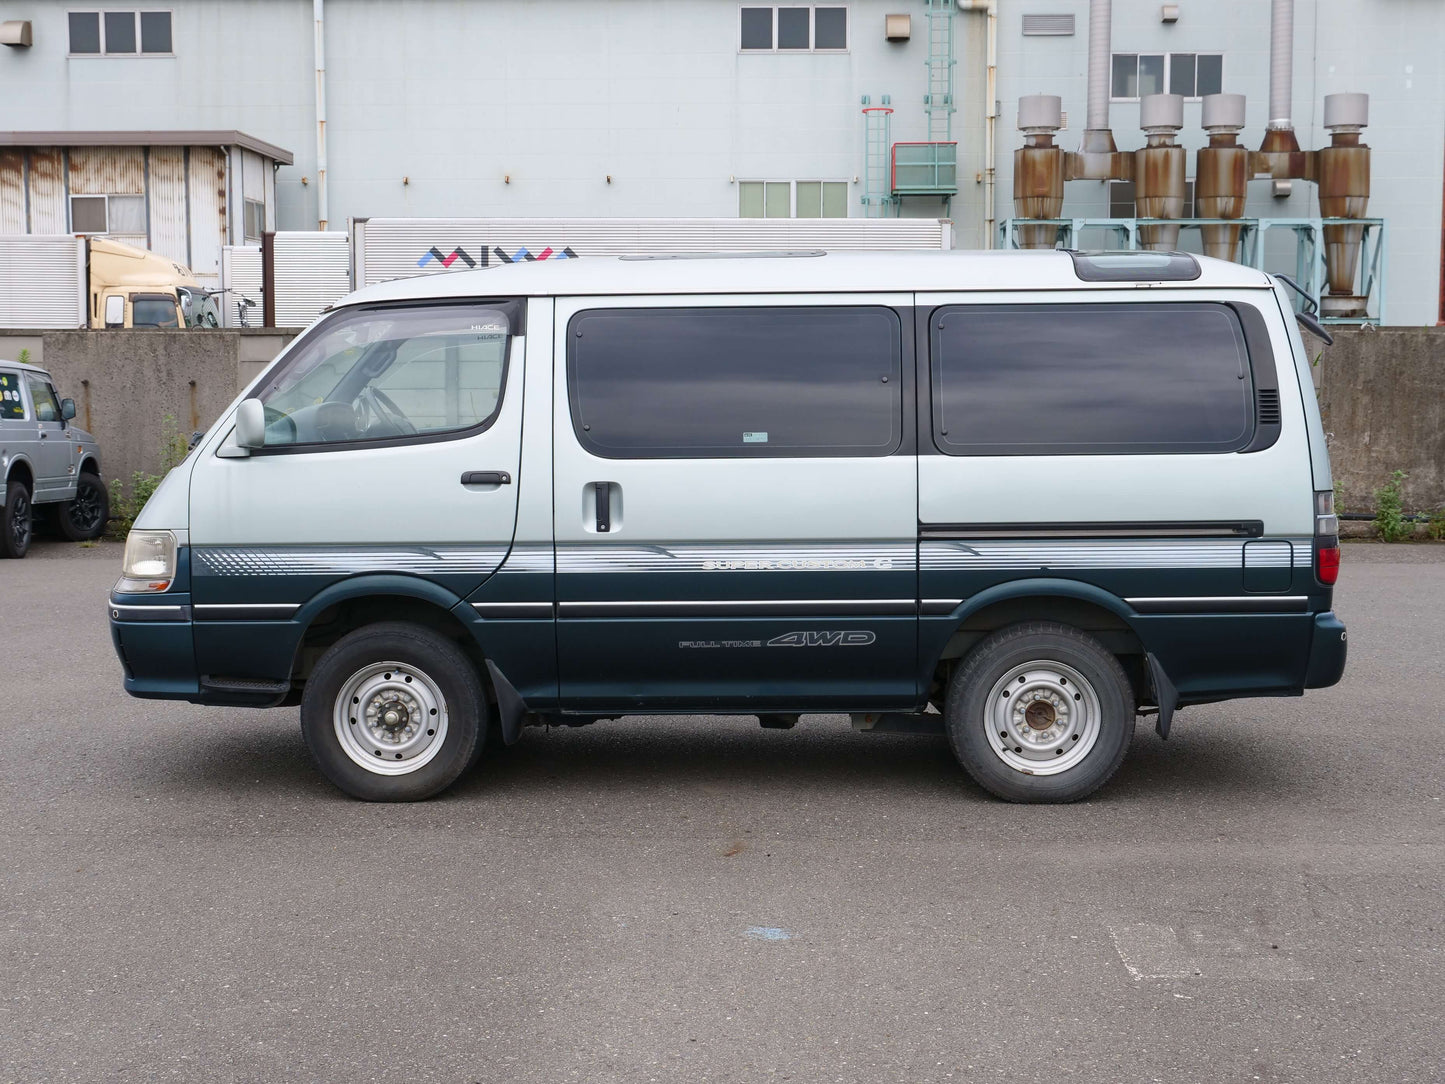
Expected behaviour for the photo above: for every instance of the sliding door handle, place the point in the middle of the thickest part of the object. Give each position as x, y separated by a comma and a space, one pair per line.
604, 506
486, 478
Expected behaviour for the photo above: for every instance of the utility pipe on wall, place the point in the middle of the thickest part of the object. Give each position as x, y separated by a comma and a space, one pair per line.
318, 8
1100, 65
990, 9
1281, 63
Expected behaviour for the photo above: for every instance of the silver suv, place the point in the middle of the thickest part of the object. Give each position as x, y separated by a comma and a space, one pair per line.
45, 460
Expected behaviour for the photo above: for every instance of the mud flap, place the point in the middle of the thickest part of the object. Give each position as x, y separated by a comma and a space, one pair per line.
510, 705
1165, 695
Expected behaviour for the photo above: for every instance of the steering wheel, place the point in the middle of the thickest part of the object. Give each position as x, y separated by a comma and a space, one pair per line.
380, 404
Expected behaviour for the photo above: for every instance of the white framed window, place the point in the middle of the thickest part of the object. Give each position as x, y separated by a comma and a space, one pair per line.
794, 28
108, 214
792, 199
254, 222
121, 33
1121, 200
1193, 75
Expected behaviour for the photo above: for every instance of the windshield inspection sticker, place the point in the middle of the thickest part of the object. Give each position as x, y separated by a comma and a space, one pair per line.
755, 438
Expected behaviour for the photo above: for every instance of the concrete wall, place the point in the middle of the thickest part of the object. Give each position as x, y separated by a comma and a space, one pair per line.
1382, 394
124, 383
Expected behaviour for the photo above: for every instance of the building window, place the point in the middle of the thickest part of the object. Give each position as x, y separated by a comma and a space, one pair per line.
120, 33
108, 214
255, 220
798, 29
1191, 74
792, 199
1121, 199
759, 382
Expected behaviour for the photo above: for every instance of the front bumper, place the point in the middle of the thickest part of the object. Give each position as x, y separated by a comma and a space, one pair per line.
154, 641
1327, 652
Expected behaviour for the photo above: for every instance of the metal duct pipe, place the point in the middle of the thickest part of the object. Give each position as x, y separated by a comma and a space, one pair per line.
1098, 158
1039, 169
1159, 170
1100, 18
1344, 179
1221, 173
1281, 63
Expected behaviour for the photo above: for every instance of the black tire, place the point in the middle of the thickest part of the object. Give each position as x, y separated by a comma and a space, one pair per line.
84, 517
979, 708
434, 659
17, 521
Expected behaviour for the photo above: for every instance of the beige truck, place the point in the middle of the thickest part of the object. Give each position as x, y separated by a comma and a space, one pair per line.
67, 282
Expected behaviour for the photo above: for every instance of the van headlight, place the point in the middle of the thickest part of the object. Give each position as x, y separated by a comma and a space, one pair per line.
150, 562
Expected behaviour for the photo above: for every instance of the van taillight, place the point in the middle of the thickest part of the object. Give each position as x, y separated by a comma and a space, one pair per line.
1327, 539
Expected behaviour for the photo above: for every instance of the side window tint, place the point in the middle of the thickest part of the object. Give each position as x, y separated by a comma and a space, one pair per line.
736, 383
1090, 379
47, 409
391, 373
12, 403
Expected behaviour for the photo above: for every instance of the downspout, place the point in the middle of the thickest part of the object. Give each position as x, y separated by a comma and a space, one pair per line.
990, 8
319, 10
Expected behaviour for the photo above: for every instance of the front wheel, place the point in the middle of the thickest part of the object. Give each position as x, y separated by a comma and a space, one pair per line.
84, 516
16, 521
393, 713
1040, 712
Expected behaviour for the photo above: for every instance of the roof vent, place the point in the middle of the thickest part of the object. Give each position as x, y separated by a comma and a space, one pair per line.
1130, 265
1267, 406
1048, 26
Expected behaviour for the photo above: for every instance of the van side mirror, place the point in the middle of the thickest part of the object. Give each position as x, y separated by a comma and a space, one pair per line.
251, 424
67, 409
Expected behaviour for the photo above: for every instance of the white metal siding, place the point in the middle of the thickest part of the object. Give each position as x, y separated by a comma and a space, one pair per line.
12, 192
240, 278
48, 212
207, 174
390, 248
42, 282
168, 203
253, 177
312, 271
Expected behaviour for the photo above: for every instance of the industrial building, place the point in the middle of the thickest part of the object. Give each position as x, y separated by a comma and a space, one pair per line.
704, 109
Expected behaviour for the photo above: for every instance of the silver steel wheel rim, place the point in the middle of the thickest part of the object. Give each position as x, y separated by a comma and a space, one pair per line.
390, 718
1042, 718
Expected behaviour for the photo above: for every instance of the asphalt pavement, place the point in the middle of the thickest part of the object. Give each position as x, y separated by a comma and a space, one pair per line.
182, 897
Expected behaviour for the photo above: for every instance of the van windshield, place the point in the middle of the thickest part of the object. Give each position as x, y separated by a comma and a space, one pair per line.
386, 373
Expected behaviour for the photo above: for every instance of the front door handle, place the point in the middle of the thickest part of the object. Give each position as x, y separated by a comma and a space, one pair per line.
486, 478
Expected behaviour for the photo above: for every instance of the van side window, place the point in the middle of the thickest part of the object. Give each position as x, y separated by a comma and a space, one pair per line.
396, 373
736, 382
12, 403
1090, 379
47, 407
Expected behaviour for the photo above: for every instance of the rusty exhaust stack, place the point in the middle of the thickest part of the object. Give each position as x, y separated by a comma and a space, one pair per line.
1343, 170
1279, 155
1097, 158
1159, 170
1039, 168
1221, 174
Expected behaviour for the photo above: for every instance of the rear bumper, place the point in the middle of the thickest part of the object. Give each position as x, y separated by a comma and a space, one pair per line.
1327, 652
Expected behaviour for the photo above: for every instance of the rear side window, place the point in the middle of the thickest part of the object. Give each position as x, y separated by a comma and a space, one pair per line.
736, 382
1090, 379
12, 404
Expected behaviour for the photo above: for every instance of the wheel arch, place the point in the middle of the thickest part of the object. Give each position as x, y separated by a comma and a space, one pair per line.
1093, 610
21, 471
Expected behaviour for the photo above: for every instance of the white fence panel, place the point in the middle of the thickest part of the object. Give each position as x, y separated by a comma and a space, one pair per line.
241, 282
313, 270
42, 282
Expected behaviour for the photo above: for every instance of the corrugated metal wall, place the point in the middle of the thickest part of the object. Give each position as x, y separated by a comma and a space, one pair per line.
240, 278
12, 191
390, 248
42, 282
312, 271
207, 171
168, 218
112, 171
48, 212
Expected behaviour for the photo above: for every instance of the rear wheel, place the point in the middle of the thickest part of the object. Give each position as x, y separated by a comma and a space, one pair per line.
1040, 712
16, 521
84, 516
393, 713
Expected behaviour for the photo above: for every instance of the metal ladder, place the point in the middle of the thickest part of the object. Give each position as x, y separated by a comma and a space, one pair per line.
938, 102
